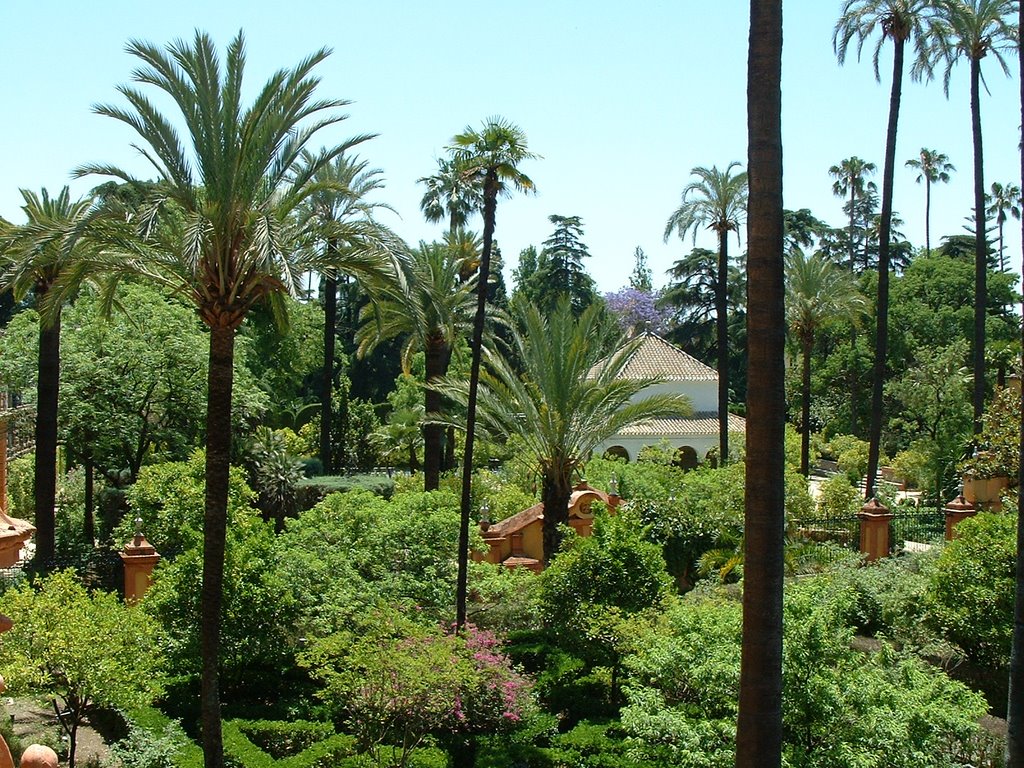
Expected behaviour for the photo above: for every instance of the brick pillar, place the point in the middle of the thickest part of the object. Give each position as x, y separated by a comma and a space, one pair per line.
956, 510
874, 530
139, 558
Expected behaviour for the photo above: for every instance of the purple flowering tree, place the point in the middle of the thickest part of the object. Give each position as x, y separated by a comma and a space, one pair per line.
637, 311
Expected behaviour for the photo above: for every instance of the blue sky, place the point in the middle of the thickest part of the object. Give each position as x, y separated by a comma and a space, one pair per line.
620, 101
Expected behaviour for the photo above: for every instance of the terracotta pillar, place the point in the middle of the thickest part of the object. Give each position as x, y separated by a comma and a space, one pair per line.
956, 510
139, 558
874, 530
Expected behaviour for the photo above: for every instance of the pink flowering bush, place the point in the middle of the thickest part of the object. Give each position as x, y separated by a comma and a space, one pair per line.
396, 681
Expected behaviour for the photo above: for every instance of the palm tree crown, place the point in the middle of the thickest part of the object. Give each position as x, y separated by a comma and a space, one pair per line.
933, 167
897, 20
816, 291
40, 257
450, 193
1004, 201
432, 310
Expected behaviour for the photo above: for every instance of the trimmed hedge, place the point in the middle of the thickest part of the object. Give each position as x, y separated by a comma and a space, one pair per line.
311, 491
303, 743
285, 739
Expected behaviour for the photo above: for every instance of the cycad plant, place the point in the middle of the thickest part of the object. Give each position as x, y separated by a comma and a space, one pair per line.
567, 397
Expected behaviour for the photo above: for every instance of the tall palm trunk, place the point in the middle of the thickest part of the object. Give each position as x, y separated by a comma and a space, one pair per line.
884, 234
490, 209
1015, 702
927, 215
435, 355
759, 726
722, 326
218, 464
556, 490
980, 249
47, 387
853, 210
327, 381
806, 347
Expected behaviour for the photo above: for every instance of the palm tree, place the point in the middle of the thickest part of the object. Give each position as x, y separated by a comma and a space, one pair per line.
1015, 700
899, 21
344, 219
567, 398
433, 309
816, 291
33, 258
759, 724
932, 166
971, 30
1004, 201
717, 200
489, 157
450, 193
222, 232
851, 179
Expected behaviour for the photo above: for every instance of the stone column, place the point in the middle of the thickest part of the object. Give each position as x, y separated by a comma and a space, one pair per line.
874, 530
956, 510
139, 558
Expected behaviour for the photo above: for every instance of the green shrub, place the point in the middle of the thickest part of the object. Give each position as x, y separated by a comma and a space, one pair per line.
284, 739
21, 488
839, 499
851, 453
972, 587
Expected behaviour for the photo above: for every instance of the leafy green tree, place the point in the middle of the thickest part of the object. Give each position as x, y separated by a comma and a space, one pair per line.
685, 676
560, 268
691, 293
86, 651
640, 278
932, 398
1003, 203
932, 167
491, 157
258, 637
716, 200
899, 21
33, 257
816, 292
431, 309
759, 719
971, 30
221, 231
568, 399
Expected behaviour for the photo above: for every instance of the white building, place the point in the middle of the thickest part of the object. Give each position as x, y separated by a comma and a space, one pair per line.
682, 374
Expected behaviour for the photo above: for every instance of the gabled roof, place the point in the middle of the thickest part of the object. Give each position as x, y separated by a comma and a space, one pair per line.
704, 423
657, 358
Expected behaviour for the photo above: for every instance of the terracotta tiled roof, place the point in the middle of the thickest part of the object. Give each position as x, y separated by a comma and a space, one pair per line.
517, 522
703, 423
656, 357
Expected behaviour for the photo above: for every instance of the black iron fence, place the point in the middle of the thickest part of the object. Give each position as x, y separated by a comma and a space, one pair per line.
910, 523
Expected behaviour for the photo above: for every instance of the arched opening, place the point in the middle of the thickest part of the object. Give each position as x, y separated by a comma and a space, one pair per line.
686, 457
617, 452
